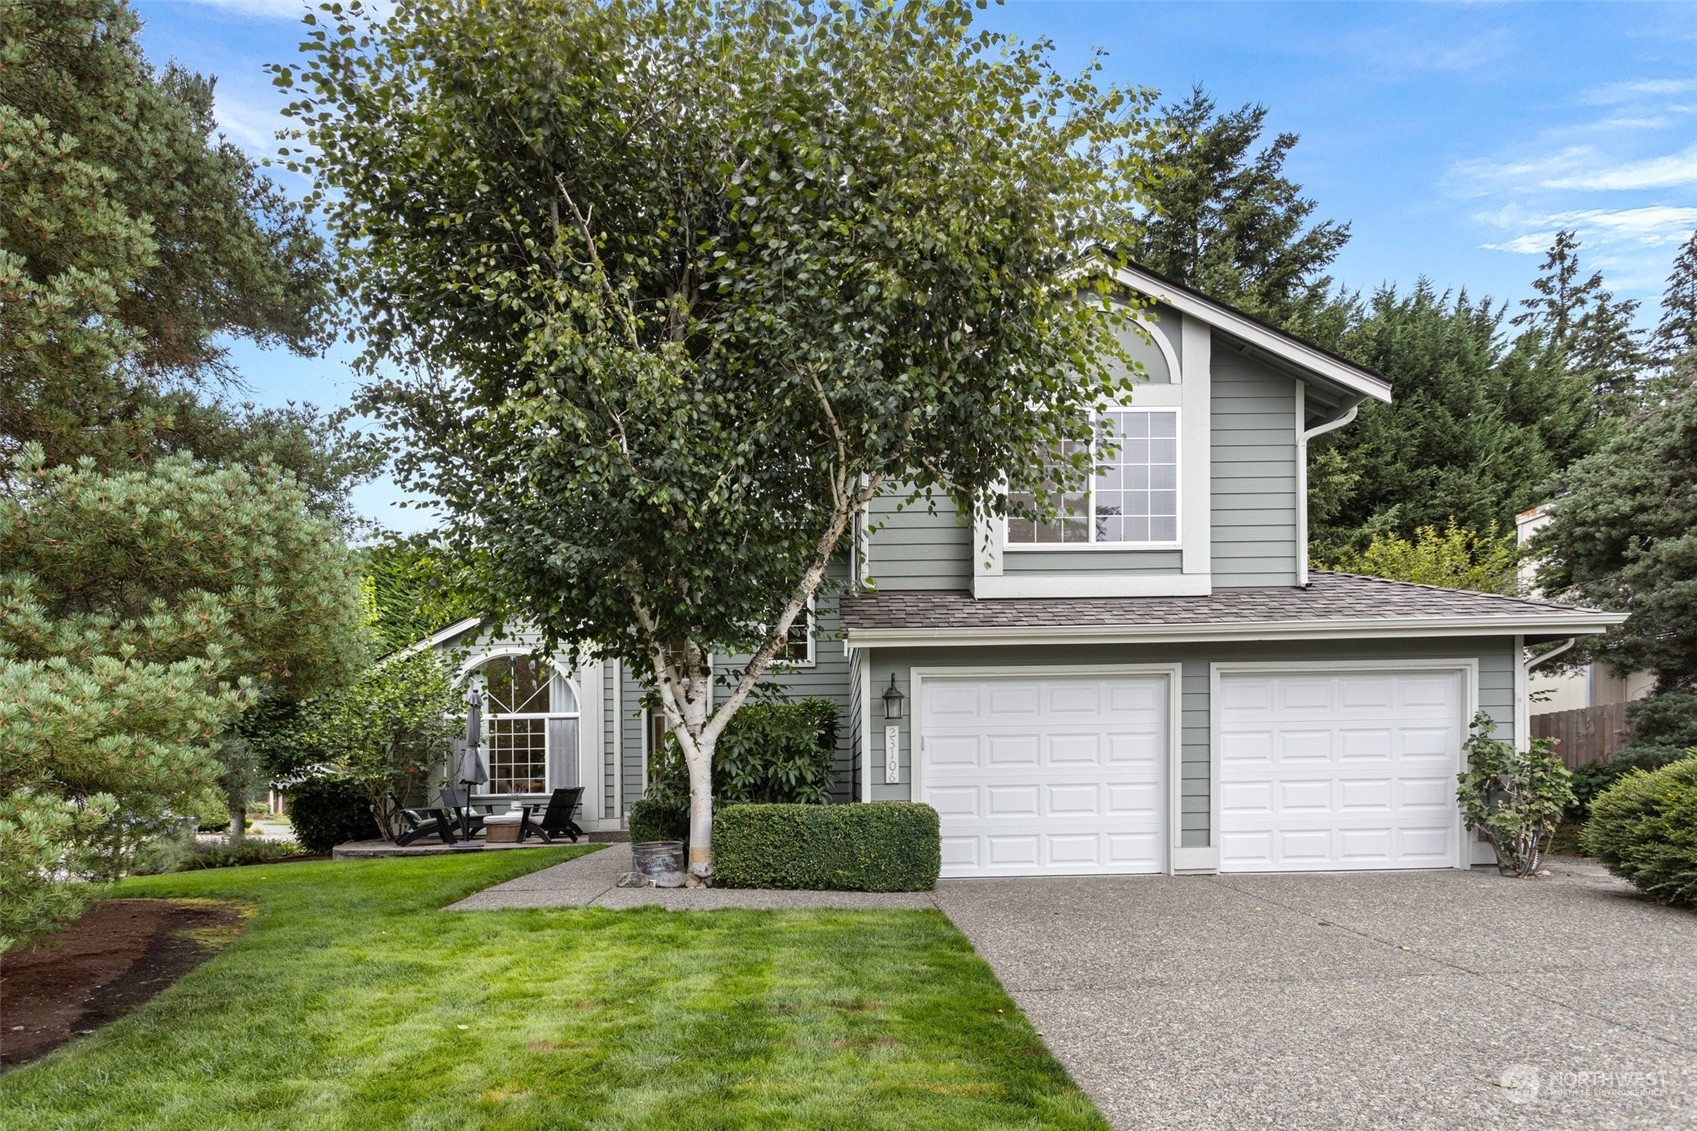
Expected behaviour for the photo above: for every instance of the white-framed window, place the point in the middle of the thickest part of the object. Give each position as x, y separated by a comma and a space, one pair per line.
1132, 498
797, 649
530, 711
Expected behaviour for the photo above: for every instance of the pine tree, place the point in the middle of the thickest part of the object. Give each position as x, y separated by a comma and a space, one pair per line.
1592, 331
1676, 334
1228, 221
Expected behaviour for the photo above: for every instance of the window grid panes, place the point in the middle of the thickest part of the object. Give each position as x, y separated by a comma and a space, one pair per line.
798, 643
518, 755
1133, 495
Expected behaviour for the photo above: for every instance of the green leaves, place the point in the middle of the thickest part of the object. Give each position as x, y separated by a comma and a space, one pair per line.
1514, 797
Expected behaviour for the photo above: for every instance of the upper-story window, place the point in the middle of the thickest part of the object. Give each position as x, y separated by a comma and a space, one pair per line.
1131, 499
797, 648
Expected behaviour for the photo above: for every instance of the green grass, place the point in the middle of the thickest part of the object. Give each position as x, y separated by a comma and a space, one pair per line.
340, 1008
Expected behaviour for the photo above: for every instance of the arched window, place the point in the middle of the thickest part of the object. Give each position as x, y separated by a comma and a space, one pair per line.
530, 725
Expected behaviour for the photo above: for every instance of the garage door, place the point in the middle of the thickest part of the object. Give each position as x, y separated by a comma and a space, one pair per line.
1328, 771
1052, 776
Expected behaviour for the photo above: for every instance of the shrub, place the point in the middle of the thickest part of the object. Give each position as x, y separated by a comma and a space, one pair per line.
190, 855
1644, 829
1514, 797
1593, 778
769, 753
328, 811
659, 818
870, 846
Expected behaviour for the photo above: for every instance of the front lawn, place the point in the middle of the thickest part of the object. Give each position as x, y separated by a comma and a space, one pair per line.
353, 1002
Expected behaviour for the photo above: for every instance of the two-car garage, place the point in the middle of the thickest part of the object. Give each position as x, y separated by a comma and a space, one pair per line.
1301, 768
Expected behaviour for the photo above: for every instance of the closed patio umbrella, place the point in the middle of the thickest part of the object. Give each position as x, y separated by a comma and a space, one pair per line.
472, 771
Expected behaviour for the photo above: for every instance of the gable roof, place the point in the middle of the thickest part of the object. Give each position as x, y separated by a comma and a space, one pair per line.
1334, 605
1259, 336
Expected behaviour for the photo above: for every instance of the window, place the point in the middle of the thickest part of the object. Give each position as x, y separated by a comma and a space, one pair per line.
1132, 497
798, 648
530, 721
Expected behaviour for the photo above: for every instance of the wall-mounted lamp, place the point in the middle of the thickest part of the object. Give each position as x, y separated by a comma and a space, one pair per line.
893, 699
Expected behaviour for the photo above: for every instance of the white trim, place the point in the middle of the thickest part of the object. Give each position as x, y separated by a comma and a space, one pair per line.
1175, 543
1399, 628
1090, 585
1467, 667
1172, 768
592, 754
1175, 372
1522, 699
865, 724
1303, 435
1265, 338
618, 736
435, 639
1196, 463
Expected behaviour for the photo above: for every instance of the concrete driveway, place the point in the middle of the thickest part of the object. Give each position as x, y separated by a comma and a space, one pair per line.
1405, 1000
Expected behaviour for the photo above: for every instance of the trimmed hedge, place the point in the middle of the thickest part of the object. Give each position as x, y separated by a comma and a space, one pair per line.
659, 819
1644, 829
326, 812
867, 846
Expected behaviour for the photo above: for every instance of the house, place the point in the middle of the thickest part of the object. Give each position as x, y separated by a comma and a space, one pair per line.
1158, 684
1590, 685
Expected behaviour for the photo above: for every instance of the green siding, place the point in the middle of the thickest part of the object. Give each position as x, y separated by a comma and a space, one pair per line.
912, 548
1253, 433
1496, 689
1162, 322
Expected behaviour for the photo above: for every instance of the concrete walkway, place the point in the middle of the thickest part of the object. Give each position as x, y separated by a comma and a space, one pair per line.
588, 882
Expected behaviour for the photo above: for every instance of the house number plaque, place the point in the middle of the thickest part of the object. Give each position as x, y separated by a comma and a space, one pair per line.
892, 755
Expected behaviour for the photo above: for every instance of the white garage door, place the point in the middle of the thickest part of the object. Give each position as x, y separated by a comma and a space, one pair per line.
1329, 771
1053, 776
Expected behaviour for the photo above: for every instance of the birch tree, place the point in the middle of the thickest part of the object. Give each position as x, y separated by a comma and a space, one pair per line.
661, 295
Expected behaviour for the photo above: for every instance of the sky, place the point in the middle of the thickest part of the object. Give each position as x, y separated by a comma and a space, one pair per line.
1456, 139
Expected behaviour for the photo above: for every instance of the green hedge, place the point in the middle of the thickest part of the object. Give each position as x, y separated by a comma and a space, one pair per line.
659, 819
326, 812
1644, 829
870, 846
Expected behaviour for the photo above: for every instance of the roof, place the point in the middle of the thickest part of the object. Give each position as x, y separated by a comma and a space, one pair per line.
1333, 605
1262, 336
436, 639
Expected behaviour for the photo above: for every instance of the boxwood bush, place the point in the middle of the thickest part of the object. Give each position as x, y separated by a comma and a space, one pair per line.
769, 752
870, 846
659, 818
328, 811
1644, 829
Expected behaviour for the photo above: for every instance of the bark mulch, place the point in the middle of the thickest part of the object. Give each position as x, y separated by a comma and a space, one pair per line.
115, 957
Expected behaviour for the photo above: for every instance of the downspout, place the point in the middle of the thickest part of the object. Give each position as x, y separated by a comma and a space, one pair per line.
1523, 685
1302, 484
1552, 653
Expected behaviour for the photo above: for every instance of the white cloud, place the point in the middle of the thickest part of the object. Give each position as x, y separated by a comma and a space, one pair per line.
251, 126
259, 9
1636, 90
1576, 167
1401, 51
1667, 171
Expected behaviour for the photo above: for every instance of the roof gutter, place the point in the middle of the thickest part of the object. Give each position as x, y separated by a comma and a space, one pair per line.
1403, 627
1302, 439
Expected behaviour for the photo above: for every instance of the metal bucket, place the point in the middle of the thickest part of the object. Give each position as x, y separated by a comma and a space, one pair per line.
662, 861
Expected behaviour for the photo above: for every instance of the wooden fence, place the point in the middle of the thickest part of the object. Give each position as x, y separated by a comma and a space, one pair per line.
1587, 734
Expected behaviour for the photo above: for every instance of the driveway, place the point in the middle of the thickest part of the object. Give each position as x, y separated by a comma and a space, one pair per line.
1405, 1000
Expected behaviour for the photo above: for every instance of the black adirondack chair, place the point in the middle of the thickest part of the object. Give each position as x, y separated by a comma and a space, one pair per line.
557, 818
421, 823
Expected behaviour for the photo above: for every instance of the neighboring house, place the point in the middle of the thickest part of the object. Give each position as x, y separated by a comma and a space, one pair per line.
1157, 685
1593, 685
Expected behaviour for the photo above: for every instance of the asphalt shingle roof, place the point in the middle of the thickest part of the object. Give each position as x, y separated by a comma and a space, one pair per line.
1330, 597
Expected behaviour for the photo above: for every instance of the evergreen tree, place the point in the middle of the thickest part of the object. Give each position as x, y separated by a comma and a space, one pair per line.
1592, 331
1624, 537
1676, 334
1226, 219
1463, 439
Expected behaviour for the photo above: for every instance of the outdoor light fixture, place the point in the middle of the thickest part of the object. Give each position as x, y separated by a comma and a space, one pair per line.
893, 699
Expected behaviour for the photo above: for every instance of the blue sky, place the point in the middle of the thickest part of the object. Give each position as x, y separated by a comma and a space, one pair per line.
1456, 138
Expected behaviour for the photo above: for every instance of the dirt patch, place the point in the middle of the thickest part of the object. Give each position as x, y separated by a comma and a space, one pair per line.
117, 956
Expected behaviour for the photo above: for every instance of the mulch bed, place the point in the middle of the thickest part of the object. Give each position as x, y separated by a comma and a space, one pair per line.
117, 956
